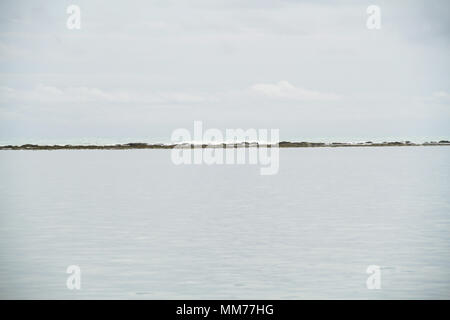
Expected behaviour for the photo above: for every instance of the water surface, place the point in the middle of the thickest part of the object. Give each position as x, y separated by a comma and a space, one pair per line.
140, 227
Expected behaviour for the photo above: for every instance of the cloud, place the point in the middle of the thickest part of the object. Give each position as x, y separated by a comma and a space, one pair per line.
441, 95
285, 90
49, 94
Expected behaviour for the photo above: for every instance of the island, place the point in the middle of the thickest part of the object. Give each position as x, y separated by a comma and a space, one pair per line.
282, 144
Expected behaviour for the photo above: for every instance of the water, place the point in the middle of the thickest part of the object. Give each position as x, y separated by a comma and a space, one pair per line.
140, 227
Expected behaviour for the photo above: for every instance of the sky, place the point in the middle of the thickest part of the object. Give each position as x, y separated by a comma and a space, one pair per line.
138, 70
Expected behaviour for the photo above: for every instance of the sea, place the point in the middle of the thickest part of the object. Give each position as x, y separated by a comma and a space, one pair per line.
137, 226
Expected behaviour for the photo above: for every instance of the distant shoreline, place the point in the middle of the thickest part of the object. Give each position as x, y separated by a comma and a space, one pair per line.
282, 144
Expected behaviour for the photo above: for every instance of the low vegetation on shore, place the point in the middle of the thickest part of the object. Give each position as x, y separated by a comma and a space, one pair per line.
282, 144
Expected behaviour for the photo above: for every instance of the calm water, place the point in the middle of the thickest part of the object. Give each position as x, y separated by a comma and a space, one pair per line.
140, 227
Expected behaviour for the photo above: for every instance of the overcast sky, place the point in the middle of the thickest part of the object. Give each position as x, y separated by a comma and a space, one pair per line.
141, 69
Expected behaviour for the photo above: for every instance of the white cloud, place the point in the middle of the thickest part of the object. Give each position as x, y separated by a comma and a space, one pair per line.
285, 90
441, 95
49, 94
